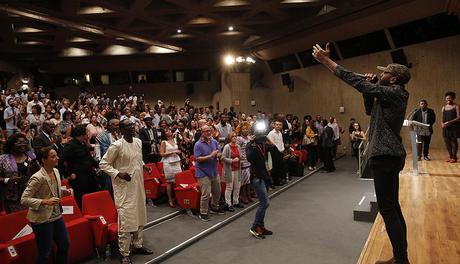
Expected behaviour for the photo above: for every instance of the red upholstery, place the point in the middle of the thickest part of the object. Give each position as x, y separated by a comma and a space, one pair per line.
65, 182
25, 246
80, 232
151, 183
101, 204
187, 190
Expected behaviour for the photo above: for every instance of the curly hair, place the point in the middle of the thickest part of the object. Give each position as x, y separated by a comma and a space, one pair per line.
451, 94
9, 144
241, 125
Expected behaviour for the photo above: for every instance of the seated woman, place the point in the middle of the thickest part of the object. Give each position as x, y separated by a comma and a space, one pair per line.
15, 170
42, 196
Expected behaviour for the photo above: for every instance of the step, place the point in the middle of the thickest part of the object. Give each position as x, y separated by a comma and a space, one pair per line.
366, 210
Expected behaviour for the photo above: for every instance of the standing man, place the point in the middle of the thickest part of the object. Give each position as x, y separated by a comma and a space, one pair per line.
105, 139
276, 137
149, 137
45, 138
257, 155
206, 151
427, 116
385, 100
123, 162
224, 129
11, 117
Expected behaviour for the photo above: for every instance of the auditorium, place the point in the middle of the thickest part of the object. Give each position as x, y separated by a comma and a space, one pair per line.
229, 131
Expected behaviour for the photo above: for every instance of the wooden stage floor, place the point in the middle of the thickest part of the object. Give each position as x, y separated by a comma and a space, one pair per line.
431, 206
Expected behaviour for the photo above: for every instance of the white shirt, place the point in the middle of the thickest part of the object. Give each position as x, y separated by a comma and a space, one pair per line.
277, 139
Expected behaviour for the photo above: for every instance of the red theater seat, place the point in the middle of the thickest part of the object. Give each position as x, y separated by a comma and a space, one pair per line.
152, 183
187, 190
80, 232
101, 204
20, 250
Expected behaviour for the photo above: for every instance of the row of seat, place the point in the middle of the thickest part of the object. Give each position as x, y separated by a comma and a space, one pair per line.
89, 230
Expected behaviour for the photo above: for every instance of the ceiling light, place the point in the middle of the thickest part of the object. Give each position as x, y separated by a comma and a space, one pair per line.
119, 50
231, 3
179, 31
250, 60
201, 20
94, 10
159, 50
28, 30
30, 43
75, 52
229, 60
298, 1
78, 39
230, 28
239, 59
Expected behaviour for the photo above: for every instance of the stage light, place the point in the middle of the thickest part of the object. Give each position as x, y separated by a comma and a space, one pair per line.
250, 60
230, 28
239, 59
179, 31
229, 60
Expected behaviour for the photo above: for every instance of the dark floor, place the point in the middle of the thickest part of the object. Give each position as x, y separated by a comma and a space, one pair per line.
312, 223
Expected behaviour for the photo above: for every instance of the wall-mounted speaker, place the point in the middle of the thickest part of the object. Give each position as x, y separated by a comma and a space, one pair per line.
189, 89
398, 56
286, 79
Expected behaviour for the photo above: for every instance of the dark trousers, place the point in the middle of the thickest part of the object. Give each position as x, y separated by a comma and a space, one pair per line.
423, 146
326, 154
312, 155
452, 147
45, 234
278, 172
385, 171
261, 191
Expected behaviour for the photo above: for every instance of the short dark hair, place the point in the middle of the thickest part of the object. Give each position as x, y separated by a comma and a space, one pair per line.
79, 130
43, 153
423, 101
9, 144
451, 94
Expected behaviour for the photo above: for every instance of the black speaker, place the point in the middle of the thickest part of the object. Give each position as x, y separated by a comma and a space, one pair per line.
285, 78
398, 56
189, 89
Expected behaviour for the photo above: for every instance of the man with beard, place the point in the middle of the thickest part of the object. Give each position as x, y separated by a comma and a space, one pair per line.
385, 100
123, 162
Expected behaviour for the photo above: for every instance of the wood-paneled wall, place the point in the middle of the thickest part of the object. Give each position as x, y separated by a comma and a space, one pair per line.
436, 69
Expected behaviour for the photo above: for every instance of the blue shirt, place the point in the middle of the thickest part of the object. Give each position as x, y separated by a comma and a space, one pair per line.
209, 167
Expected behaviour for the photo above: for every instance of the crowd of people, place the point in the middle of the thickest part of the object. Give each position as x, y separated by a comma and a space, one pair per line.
83, 138
86, 137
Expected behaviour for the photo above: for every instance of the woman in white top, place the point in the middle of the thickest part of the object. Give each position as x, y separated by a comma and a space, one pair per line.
169, 153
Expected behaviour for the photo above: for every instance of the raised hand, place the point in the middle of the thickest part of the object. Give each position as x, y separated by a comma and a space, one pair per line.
321, 54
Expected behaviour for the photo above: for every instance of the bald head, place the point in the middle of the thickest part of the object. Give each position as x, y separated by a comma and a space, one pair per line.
201, 123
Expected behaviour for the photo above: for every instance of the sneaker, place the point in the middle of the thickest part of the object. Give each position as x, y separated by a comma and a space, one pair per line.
230, 208
427, 158
238, 206
217, 211
310, 168
257, 233
266, 232
204, 217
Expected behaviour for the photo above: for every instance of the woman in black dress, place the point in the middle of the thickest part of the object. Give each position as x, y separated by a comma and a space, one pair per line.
450, 126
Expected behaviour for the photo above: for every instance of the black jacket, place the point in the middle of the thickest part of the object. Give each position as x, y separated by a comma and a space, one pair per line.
41, 141
144, 136
256, 155
431, 117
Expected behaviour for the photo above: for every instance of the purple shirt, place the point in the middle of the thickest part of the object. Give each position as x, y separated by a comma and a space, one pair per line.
209, 167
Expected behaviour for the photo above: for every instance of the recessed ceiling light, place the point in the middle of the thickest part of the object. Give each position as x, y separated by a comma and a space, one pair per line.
159, 50
94, 10
28, 30
230, 28
119, 50
30, 43
179, 31
298, 1
78, 39
231, 3
202, 20
75, 52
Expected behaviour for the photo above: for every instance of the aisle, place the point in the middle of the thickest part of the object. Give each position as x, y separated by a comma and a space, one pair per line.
312, 222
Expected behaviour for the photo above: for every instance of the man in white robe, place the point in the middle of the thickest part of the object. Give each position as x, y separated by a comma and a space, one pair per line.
123, 162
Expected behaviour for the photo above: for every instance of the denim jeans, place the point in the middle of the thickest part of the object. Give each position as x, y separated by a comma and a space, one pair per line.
385, 171
261, 191
45, 234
